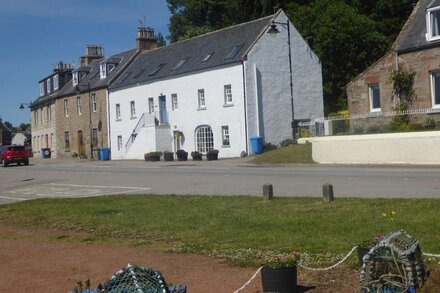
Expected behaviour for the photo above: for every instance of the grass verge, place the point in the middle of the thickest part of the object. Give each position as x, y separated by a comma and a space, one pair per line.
240, 228
293, 154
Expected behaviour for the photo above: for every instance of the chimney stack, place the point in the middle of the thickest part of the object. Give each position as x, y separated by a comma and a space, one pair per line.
93, 52
145, 39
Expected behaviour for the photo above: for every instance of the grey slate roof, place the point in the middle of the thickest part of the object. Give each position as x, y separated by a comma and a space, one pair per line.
93, 76
227, 46
413, 34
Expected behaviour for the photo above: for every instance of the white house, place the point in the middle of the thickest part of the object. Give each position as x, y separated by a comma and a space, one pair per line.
216, 91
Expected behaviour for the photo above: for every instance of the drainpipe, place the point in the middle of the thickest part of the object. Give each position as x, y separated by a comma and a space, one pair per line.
245, 108
109, 139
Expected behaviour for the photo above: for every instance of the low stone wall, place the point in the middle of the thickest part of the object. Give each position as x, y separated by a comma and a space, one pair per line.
389, 148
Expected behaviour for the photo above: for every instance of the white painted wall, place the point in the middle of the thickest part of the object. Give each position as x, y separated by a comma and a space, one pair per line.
390, 148
268, 87
187, 117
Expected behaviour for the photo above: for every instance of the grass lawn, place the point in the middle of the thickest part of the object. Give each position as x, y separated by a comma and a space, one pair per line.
237, 228
293, 154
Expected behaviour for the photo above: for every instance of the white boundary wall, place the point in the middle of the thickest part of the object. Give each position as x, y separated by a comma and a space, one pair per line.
389, 148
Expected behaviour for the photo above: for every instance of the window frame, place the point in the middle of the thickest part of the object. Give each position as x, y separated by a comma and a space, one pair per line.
132, 109
102, 70
228, 94
201, 99
429, 13
371, 90
42, 87
119, 142
66, 108
78, 105
49, 85
151, 105
432, 75
56, 82
118, 111
94, 137
204, 139
75, 78
226, 136
66, 140
174, 102
94, 108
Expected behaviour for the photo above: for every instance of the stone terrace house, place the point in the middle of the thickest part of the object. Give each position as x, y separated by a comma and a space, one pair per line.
43, 120
417, 48
78, 125
215, 91
81, 109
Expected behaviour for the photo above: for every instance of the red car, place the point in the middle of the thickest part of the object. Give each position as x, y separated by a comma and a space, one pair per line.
10, 154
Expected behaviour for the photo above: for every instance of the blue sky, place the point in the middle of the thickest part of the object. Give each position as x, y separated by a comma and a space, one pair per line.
36, 34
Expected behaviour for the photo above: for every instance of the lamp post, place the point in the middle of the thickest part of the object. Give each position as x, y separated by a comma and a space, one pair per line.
22, 106
273, 30
90, 119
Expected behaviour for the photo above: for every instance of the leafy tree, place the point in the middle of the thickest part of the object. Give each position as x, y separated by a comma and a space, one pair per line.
347, 35
345, 41
403, 82
24, 127
160, 40
8, 125
192, 17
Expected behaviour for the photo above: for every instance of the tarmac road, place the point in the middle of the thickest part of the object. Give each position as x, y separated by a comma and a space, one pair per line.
45, 178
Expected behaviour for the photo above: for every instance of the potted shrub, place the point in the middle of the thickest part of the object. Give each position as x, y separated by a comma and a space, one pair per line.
182, 155
196, 156
212, 155
168, 156
279, 272
152, 156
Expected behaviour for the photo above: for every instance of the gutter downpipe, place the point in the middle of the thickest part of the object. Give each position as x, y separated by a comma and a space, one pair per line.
245, 108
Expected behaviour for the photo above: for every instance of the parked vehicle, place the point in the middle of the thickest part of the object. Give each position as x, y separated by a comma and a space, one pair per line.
11, 154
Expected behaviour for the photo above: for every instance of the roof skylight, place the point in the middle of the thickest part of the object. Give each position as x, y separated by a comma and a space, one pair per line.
179, 64
233, 52
155, 71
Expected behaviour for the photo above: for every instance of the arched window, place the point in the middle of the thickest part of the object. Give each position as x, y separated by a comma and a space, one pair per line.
204, 139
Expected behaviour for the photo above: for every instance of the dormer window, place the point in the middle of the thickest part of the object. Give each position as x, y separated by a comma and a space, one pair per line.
433, 23
42, 88
49, 85
103, 71
75, 78
56, 82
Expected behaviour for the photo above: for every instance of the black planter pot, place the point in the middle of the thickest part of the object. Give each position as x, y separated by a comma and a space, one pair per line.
197, 158
282, 280
154, 158
211, 157
182, 156
361, 251
168, 157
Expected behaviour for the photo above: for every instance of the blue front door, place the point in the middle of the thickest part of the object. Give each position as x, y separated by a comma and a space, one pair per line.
163, 110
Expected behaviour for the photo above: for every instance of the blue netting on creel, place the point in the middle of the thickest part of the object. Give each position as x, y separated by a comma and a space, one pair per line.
136, 279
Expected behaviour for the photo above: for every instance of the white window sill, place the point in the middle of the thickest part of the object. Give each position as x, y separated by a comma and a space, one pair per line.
226, 146
201, 109
228, 105
375, 110
133, 117
436, 107
118, 119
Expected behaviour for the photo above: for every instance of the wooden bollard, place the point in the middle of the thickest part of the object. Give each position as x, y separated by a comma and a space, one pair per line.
327, 193
267, 191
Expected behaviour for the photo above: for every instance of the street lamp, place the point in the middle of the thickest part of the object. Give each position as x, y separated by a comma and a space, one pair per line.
22, 106
90, 118
273, 30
